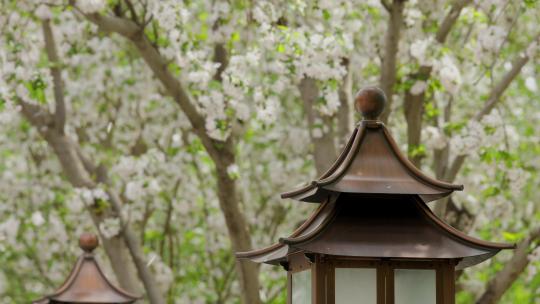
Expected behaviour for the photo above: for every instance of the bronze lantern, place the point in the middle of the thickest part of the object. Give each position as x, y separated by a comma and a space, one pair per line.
86, 282
373, 239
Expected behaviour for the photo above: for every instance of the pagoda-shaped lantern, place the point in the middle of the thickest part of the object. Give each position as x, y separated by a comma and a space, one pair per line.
373, 239
86, 282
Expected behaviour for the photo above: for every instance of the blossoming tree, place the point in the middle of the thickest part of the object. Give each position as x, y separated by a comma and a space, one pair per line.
167, 127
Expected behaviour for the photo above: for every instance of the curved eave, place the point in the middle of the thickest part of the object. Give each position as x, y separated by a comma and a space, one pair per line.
63, 293
330, 180
467, 239
278, 252
343, 235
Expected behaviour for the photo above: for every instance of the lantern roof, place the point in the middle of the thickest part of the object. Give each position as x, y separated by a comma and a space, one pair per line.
87, 283
373, 205
372, 163
352, 225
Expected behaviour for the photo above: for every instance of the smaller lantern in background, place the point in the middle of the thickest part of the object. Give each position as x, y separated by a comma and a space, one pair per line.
86, 282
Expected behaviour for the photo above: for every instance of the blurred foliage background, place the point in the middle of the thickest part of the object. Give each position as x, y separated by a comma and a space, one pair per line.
171, 127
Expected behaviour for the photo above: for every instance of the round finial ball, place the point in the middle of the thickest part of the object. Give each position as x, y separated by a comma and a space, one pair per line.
88, 242
370, 102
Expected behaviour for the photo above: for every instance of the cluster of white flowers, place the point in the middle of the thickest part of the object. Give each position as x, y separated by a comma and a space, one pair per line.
88, 196
420, 50
110, 227
434, 138
37, 218
134, 190
412, 14
518, 179
449, 74
418, 87
331, 102
213, 106
321, 57
491, 38
43, 12
469, 140
91, 6
269, 111
531, 84
534, 260
8, 231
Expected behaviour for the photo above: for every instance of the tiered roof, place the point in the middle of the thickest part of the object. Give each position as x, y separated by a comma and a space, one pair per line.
372, 163
87, 282
373, 205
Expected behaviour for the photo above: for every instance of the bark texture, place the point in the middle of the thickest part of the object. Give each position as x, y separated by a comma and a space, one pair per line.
79, 171
222, 153
391, 48
324, 149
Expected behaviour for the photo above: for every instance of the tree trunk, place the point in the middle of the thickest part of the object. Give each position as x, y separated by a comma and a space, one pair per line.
391, 48
248, 272
115, 247
222, 153
324, 150
503, 279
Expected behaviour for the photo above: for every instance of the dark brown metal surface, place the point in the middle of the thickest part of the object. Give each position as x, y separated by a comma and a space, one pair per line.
87, 283
374, 206
385, 227
370, 102
372, 163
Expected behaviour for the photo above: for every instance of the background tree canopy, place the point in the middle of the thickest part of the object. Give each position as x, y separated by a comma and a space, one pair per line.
171, 127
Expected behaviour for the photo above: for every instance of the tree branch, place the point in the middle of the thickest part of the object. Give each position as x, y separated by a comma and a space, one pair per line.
511, 271
344, 110
386, 5
450, 19
221, 57
222, 153
414, 104
54, 65
159, 67
391, 48
324, 150
69, 154
494, 97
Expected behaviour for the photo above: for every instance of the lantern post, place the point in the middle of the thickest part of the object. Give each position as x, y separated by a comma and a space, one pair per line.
373, 239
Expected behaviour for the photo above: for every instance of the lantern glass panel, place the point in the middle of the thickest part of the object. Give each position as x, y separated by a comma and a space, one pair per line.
355, 284
301, 287
415, 286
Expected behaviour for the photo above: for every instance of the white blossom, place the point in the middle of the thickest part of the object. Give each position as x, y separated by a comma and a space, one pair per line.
233, 171
530, 84
449, 75
134, 190
37, 218
434, 138
91, 6
43, 12
331, 102
110, 227
317, 132
418, 87
9, 229
492, 37
419, 49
